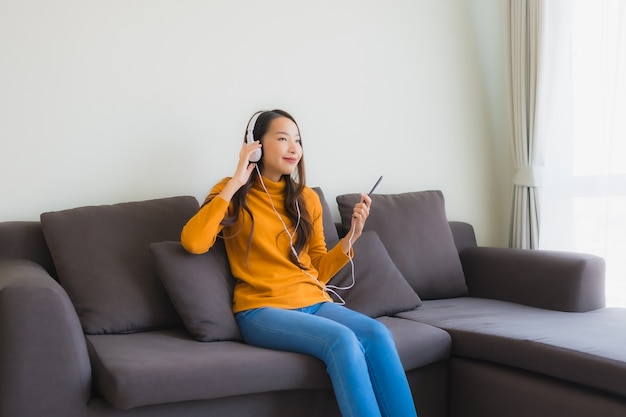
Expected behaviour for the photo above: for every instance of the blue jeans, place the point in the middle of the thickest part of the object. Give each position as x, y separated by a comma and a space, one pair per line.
359, 353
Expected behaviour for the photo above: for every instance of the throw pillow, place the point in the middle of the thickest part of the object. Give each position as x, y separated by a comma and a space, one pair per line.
414, 229
102, 260
201, 289
379, 288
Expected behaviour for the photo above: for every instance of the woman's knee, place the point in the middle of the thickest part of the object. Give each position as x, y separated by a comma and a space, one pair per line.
371, 333
376, 333
345, 345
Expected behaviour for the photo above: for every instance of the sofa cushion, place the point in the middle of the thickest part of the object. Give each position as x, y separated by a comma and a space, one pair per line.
330, 230
418, 344
201, 289
584, 348
414, 229
169, 366
102, 260
379, 288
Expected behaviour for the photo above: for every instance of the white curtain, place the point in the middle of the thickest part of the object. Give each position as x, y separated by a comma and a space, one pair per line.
523, 66
584, 193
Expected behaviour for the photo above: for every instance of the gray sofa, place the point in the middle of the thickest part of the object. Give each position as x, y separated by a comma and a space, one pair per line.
103, 314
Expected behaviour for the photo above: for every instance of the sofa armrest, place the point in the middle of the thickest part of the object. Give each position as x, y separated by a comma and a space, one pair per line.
463, 234
563, 281
44, 364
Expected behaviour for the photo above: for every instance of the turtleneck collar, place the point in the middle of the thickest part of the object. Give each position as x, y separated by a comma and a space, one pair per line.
273, 187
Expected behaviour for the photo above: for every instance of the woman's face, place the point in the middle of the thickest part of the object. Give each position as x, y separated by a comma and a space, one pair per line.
282, 149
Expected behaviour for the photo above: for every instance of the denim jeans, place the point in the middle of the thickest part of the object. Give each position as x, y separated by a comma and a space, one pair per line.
359, 353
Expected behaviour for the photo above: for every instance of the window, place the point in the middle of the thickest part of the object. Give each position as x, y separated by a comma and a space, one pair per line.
583, 201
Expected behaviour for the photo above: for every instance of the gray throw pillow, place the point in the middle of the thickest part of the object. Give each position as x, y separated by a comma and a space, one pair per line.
414, 229
379, 288
102, 260
201, 289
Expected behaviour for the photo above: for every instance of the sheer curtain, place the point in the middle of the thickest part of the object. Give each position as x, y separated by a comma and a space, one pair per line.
583, 198
523, 66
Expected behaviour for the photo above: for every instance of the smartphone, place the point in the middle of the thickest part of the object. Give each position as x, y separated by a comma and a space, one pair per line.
374, 187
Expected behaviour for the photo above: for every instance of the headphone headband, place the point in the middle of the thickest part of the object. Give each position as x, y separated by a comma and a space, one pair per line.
251, 124
256, 156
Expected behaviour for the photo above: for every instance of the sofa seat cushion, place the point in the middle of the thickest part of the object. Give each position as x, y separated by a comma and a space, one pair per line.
169, 366
585, 348
418, 344
133, 370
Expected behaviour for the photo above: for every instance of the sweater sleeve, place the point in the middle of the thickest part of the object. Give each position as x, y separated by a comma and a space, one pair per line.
200, 232
326, 262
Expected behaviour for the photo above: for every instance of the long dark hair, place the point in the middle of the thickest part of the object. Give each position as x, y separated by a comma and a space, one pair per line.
294, 185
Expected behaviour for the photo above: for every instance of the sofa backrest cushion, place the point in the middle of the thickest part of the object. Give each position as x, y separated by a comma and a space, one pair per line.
201, 289
103, 261
379, 288
414, 228
330, 230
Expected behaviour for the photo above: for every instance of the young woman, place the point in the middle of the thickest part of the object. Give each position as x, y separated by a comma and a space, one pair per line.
272, 227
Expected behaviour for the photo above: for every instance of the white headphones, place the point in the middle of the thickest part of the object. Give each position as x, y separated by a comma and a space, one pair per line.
256, 156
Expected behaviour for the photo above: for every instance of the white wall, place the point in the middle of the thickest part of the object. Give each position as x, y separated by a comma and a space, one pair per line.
104, 101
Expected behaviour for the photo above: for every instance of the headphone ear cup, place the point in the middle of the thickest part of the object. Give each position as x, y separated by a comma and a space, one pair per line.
256, 156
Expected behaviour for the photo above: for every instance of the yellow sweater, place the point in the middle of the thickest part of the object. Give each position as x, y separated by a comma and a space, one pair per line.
266, 276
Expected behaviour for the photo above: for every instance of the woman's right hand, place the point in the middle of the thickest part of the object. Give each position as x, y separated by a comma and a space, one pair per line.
243, 171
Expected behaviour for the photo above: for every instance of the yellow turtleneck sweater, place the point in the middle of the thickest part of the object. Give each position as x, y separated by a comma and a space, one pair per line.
266, 276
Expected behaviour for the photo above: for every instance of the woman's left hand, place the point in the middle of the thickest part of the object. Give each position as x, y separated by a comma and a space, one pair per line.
359, 215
